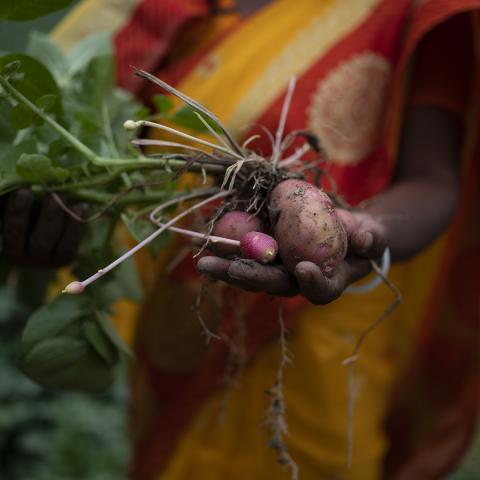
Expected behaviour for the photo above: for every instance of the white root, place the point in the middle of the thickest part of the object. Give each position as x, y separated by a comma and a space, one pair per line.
74, 287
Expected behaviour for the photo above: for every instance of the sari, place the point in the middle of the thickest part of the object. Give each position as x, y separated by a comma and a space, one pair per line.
351, 60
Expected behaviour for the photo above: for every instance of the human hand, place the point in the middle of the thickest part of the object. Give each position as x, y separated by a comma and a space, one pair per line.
44, 235
366, 240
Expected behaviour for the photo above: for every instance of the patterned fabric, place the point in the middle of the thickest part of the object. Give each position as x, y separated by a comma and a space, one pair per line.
351, 60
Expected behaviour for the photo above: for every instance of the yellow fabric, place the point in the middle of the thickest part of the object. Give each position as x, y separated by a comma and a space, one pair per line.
92, 16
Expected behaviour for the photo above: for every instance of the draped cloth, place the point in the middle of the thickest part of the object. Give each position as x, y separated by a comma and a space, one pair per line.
352, 63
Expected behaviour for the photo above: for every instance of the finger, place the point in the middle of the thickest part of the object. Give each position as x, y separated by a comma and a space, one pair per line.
217, 269
67, 247
369, 239
250, 276
16, 222
263, 278
318, 288
47, 231
214, 267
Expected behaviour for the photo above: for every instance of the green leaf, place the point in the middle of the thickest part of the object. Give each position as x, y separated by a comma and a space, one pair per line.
7, 132
38, 169
21, 117
22, 10
9, 180
100, 342
66, 363
36, 81
99, 81
65, 155
114, 336
9, 70
10, 156
42, 48
52, 319
46, 102
93, 46
163, 103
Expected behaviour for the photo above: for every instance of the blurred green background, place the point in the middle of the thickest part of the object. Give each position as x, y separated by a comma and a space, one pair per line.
14, 35
47, 435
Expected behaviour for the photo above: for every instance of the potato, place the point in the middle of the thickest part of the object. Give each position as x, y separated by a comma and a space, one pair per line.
306, 226
234, 225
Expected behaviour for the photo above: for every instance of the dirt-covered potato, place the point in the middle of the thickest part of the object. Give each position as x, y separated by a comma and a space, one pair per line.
306, 226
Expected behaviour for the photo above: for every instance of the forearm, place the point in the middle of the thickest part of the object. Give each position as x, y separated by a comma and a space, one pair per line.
423, 198
414, 212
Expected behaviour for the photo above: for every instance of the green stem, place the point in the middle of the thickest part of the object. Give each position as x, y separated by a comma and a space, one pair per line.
107, 130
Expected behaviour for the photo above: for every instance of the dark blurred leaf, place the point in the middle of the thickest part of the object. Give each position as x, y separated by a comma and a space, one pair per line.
21, 10
52, 319
66, 363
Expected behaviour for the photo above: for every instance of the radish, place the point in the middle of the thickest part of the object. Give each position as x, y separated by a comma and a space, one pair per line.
234, 225
259, 246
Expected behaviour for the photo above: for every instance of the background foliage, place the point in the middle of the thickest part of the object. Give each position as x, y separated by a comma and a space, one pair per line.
47, 434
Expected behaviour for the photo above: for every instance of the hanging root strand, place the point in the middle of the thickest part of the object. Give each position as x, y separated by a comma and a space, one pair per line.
349, 362
209, 335
276, 420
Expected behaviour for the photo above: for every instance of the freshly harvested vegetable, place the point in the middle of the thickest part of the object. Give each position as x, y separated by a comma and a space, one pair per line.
306, 226
70, 134
234, 225
259, 247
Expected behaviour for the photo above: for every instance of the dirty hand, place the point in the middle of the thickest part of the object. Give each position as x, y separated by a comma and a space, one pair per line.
367, 239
